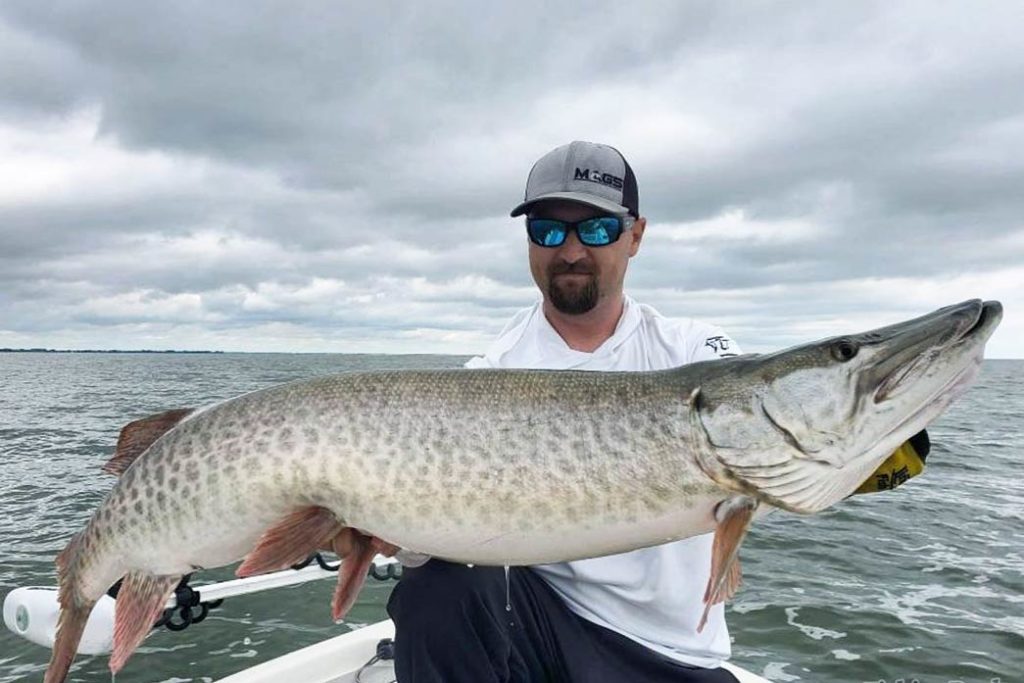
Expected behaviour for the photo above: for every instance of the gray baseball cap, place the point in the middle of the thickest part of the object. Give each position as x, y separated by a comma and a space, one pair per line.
584, 172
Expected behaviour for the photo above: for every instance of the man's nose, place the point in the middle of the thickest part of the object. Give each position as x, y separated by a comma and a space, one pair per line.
572, 250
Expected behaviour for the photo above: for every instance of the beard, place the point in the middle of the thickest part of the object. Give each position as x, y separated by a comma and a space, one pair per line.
570, 296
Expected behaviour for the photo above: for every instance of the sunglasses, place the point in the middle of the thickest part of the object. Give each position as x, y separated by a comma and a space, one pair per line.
593, 232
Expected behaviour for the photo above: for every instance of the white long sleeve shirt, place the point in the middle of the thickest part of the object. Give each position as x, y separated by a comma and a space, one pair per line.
653, 595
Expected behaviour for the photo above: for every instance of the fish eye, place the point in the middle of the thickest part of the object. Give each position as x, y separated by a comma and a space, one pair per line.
844, 350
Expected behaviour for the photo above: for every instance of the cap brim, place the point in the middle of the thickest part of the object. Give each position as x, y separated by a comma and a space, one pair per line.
578, 197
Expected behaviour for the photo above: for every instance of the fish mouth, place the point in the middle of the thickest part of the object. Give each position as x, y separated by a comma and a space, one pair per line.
942, 355
973, 321
954, 335
989, 315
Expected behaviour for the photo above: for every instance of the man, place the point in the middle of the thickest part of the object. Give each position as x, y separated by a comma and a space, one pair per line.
628, 617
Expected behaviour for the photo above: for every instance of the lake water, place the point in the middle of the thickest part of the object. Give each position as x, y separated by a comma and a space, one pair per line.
925, 583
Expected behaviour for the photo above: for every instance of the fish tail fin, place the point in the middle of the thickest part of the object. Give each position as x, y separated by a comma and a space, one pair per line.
74, 613
70, 626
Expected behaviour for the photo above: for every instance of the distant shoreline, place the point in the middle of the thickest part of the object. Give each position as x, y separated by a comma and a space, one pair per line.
255, 353
292, 353
99, 351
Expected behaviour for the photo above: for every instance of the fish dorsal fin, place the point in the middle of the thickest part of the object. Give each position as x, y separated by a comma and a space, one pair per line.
139, 435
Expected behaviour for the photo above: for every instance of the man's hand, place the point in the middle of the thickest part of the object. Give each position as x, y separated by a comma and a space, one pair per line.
906, 462
346, 541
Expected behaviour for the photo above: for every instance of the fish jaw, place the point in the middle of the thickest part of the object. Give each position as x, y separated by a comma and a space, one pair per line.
802, 428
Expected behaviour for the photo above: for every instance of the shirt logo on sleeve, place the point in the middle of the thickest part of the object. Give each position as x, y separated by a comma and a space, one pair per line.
720, 345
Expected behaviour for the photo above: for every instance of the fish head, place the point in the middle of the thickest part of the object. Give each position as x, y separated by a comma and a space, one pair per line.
818, 419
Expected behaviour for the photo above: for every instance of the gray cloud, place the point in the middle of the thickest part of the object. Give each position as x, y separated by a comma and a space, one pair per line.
344, 170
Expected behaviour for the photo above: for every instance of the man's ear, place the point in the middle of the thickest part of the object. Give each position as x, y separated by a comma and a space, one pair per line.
636, 234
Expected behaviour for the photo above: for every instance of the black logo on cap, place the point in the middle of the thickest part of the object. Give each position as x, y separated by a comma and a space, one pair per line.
598, 177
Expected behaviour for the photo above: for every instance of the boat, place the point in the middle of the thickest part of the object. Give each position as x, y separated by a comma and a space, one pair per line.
356, 657
360, 656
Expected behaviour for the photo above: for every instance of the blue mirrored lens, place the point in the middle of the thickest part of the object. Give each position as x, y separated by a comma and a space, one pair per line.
597, 232
547, 233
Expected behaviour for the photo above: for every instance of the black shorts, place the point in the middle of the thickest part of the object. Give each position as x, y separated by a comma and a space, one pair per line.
457, 624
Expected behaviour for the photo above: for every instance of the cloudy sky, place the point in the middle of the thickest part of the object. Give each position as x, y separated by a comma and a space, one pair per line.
337, 176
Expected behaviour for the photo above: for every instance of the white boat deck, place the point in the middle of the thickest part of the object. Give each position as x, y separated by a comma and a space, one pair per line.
339, 660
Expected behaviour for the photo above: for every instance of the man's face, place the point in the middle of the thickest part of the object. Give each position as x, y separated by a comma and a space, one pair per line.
575, 278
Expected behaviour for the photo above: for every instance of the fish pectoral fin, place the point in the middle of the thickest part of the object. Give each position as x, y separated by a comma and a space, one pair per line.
140, 601
733, 515
139, 435
290, 541
352, 573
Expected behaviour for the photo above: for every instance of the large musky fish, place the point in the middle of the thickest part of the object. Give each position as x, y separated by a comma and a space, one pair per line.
504, 467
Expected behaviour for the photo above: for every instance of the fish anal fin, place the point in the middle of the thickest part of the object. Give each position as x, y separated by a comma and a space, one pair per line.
140, 601
139, 435
352, 573
734, 516
291, 540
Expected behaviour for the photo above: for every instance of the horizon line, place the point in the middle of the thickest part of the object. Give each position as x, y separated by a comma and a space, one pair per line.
291, 353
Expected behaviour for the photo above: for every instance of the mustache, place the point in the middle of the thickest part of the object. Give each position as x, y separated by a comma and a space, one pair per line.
576, 268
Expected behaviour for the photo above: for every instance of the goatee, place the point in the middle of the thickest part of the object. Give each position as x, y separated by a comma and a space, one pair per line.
573, 300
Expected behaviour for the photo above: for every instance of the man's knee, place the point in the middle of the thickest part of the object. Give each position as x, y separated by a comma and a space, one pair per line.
440, 591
